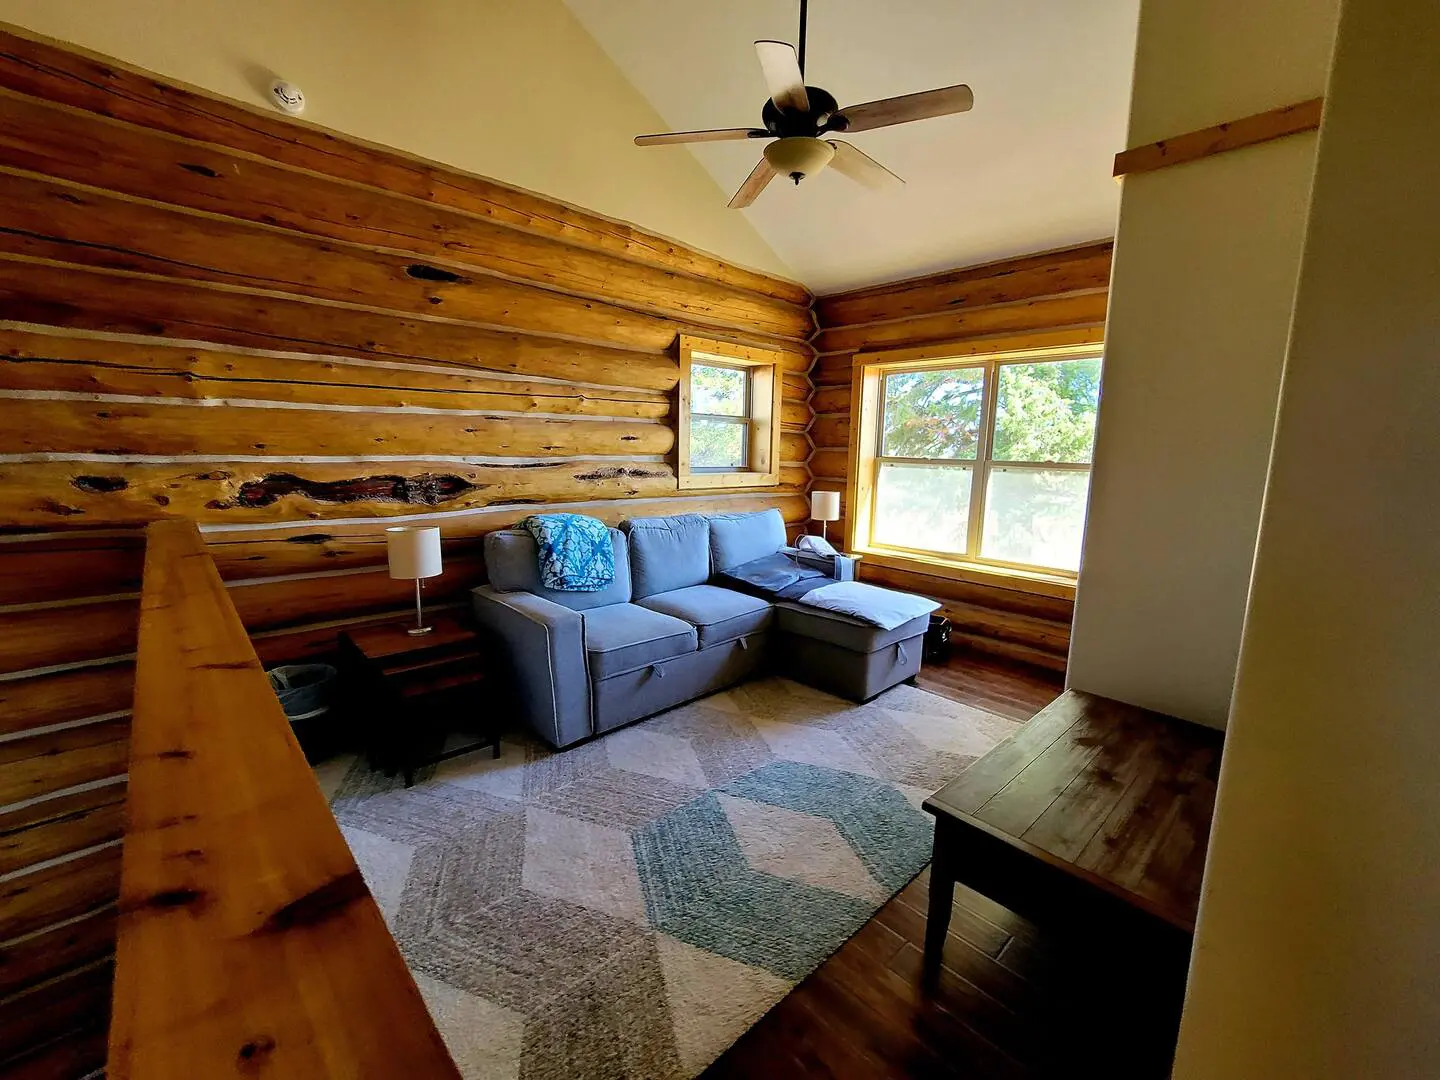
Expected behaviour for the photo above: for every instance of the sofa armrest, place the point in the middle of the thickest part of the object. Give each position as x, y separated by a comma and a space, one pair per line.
545, 646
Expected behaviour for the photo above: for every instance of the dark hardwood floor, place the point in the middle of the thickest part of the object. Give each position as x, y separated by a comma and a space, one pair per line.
999, 686
1012, 1000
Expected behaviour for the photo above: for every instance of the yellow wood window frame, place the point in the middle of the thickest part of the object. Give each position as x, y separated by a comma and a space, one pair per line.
866, 406
762, 367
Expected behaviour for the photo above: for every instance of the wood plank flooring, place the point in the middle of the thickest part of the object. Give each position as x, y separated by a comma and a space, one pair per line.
1012, 1001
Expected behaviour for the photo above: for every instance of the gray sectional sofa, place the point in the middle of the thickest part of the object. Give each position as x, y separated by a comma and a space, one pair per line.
664, 632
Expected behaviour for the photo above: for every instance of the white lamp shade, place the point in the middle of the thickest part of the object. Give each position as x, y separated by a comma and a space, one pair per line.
414, 551
825, 505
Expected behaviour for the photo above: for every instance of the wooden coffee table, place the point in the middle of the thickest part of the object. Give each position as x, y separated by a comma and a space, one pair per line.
410, 691
1094, 815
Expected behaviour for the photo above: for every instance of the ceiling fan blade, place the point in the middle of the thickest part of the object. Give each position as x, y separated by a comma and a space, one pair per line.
862, 168
755, 183
907, 107
782, 75
714, 135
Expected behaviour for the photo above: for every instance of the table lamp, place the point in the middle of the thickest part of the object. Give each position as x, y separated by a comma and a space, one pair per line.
824, 507
414, 552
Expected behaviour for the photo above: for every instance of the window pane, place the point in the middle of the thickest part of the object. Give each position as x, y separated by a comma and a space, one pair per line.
1035, 516
1046, 412
925, 507
933, 414
719, 391
718, 444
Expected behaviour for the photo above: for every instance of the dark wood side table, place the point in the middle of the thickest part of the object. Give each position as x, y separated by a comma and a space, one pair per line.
410, 691
1095, 814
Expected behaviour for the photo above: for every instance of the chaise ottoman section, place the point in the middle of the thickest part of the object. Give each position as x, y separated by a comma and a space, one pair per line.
844, 655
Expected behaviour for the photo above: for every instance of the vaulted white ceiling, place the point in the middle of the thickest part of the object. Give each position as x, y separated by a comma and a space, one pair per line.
1027, 170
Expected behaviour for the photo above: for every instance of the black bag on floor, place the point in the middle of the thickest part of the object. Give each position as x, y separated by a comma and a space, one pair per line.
937, 640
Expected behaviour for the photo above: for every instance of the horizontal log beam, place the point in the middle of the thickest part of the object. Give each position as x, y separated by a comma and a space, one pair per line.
831, 432
794, 447
833, 370
46, 219
830, 464
832, 399
80, 299
110, 88
40, 362
85, 148
1080, 309
76, 944
53, 760
795, 415
77, 1001
35, 959
69, 634
273, 604
79, 1053
1008, 650
64, 696
29, 426
61, 826
1032, 277
64, 492
64, 568
42, 898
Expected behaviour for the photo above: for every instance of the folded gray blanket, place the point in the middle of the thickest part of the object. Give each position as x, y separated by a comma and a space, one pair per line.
773, 577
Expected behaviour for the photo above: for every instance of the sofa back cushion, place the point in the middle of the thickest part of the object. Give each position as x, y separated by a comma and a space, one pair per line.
513, 562
667, 553
736, 539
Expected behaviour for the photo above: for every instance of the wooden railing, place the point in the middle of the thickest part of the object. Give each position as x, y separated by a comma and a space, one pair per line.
248, 944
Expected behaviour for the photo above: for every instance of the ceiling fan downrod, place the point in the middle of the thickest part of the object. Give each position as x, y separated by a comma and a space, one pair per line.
804, 8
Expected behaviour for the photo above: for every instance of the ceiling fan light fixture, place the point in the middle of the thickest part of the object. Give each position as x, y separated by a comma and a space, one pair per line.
799, 157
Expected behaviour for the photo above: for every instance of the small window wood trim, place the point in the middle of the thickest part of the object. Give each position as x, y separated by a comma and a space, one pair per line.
764, 394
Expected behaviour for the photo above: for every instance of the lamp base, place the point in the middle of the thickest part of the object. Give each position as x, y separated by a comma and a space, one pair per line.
419, 629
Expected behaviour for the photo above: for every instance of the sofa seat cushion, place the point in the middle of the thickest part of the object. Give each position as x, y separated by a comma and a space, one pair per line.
843, 630
718, 614
624, 637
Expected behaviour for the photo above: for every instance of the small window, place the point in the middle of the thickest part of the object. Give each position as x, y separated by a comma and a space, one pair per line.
728, 433
719, 417
983, 460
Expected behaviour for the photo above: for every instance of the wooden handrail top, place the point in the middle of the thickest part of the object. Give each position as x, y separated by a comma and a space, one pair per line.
248, 944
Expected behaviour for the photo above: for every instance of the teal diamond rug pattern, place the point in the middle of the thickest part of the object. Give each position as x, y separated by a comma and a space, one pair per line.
627, 908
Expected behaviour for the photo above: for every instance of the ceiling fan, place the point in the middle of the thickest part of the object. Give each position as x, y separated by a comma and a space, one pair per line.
798, 117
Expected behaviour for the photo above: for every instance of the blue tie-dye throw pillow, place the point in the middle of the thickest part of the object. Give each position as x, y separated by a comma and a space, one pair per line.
575, 551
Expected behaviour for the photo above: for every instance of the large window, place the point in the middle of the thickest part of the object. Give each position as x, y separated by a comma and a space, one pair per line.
728, 433
984, 460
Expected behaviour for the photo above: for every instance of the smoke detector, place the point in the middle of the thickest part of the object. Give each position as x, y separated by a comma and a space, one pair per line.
287, 97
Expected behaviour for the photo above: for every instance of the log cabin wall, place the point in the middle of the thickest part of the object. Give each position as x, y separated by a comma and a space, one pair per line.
293, 339
1028, 302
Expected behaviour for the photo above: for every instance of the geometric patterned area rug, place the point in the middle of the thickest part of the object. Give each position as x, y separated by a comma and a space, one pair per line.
630, 906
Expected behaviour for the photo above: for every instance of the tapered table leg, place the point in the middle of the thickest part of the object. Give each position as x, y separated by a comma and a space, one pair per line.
942, 895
